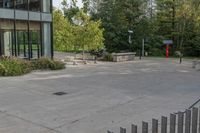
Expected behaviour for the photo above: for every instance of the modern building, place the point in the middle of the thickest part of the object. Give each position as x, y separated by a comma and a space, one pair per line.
26, 28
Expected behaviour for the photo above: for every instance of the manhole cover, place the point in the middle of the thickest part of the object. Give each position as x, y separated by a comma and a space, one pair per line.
60, 93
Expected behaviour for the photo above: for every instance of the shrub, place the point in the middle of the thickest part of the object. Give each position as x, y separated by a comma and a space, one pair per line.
46, 63
42, 63
2, 70
108, 57
10, 66
14, 67
157, 52
57, 65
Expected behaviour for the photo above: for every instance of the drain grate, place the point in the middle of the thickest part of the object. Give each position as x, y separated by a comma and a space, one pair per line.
60, 93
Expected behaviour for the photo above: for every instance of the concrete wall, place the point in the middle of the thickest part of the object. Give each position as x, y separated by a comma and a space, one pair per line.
25, 15
121, 57
47, 39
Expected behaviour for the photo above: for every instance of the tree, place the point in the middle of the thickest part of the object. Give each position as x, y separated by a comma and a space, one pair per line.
81, 33
86, 5
179, 20
156, 20
63, 32
117, 18
70, 9
89, 35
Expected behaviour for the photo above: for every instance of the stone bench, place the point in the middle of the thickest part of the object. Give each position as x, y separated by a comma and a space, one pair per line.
195, 64
121, 57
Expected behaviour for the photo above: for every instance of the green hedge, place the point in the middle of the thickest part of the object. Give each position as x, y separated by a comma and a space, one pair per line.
108, 57
45, 63
10, 66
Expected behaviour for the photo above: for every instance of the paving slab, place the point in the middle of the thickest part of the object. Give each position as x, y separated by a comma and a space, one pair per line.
98, 97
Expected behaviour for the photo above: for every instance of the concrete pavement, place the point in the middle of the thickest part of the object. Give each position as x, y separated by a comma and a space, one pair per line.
99, 97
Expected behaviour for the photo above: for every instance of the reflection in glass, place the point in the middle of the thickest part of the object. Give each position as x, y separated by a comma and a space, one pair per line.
46, 6
6, 37
22, 43
34, 5
21, 4
35, 39
6, 3
22, 38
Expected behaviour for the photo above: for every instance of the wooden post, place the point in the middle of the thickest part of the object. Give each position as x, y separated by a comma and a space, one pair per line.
199, 120
194, 120
187, 121
144, 127
172, 123
122, 130
180, 122
154, 126
133, 129
164, 124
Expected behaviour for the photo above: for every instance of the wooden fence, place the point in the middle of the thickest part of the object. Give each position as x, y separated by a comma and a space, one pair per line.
181, 122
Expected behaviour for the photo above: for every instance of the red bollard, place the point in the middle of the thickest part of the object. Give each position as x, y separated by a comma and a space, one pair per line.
167, 51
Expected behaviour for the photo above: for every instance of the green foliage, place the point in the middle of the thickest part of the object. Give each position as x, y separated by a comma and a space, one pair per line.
117, 18
89, 35
57, 65
14, 66
10, 66
70, 9
177, 20
82, 33
63, 32
108, 57
46, 63
157, 52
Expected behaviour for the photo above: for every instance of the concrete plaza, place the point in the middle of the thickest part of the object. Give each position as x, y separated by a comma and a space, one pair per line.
99, 97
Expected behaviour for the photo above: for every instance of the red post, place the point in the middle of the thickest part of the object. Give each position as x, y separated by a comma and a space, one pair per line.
167, 51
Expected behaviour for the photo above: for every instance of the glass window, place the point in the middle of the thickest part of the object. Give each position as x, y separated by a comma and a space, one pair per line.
6, 3
22, 39
35, 39
34, 5
6, 37
46, 6
21, 4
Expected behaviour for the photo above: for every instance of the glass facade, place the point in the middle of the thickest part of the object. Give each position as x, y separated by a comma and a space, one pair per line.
7, 4
21, 4
22, 44
35, 5
35, 39
46, 6
7, 37
26, 37
31, 5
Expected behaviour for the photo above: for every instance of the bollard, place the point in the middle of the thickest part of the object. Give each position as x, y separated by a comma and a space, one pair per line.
140, 55
180, 59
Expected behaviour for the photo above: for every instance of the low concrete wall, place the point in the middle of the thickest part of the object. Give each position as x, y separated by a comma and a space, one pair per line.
196, 64
121, 57
72, 56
